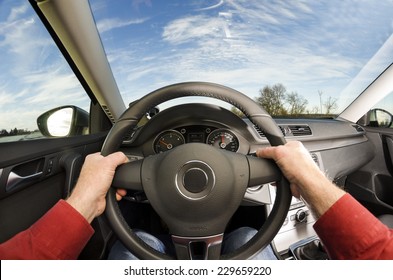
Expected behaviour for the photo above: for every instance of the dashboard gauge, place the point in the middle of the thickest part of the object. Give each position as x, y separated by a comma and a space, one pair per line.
168, 140
223, 139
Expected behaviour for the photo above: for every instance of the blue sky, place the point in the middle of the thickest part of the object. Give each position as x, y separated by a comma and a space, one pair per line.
308, 46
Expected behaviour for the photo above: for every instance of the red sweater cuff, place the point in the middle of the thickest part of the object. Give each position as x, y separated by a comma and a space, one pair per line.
350, 231
62, 231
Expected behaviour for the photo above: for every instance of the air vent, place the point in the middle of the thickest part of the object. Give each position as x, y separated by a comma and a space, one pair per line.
108, 113
262, 133
358, 128
259, 131
300, 130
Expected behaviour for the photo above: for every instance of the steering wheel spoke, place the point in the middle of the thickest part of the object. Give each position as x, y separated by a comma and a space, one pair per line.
262, 171
198, 248
128, 176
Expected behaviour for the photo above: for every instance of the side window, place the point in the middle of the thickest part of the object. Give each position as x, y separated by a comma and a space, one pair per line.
35, 79
381, 115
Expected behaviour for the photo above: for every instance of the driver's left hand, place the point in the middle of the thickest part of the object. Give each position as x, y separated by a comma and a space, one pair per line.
88, 196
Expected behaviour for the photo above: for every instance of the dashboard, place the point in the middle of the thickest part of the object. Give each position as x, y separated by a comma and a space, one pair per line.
337, 147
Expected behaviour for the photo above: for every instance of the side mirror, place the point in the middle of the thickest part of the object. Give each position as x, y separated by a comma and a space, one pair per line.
377, 118
63, 121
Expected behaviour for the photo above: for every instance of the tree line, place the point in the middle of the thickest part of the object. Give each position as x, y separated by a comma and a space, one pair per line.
277, 101
13, 132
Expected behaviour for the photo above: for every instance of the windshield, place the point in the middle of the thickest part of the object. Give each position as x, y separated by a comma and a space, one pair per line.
295, 57
305, 54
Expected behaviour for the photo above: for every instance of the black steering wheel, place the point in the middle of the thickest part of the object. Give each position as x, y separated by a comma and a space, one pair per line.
200, 187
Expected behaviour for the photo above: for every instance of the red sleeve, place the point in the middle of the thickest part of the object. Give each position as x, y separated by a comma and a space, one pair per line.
350, 231
60, 234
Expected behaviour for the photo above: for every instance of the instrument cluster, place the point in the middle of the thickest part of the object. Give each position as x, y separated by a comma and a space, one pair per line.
221, 138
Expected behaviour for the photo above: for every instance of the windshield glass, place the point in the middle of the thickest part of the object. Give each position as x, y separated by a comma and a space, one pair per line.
295, 57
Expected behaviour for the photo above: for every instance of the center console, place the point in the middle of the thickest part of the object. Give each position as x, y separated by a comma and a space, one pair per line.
297, 226
297, 239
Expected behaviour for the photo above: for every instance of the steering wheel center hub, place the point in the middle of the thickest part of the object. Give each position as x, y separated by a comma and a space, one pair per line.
195, 187
195, 180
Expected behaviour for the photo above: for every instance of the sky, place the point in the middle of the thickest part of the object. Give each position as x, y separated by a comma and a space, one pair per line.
308, 46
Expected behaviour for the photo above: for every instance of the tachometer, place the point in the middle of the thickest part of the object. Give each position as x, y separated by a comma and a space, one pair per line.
223, 139
168, 140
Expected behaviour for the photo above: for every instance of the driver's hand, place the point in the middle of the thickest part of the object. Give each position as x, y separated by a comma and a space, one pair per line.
305, 178
295, 163
88, 196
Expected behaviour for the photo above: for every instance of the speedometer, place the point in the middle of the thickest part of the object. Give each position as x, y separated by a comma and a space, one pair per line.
168, 140
223, 139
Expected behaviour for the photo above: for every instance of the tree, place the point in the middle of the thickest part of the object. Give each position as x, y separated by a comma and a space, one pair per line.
272, 99
277, 102
297, 103
3, 132
13, 132
330, 105
313, 111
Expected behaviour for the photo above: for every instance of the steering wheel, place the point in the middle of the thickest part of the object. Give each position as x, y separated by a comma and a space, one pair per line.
196, 188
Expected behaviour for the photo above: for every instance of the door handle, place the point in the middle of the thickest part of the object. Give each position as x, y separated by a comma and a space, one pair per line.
16, 181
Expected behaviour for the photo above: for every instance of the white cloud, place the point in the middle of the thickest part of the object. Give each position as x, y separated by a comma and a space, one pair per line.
42, 91
22, 118
26, 31
55, 87
287, 43
5, 99
24, 42
269, 12
113, 23
192, 28
307, 46
251, 53
215, 6
18, 11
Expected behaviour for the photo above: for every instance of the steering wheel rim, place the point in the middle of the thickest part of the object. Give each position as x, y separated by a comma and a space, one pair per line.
254, 112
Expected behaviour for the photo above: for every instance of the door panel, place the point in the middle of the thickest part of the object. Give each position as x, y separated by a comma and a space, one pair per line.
372, 185
23, 208
34, 175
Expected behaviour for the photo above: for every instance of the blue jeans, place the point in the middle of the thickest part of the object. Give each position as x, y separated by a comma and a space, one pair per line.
231, 242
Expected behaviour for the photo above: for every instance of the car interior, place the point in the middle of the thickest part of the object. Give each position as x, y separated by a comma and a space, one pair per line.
172, 146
